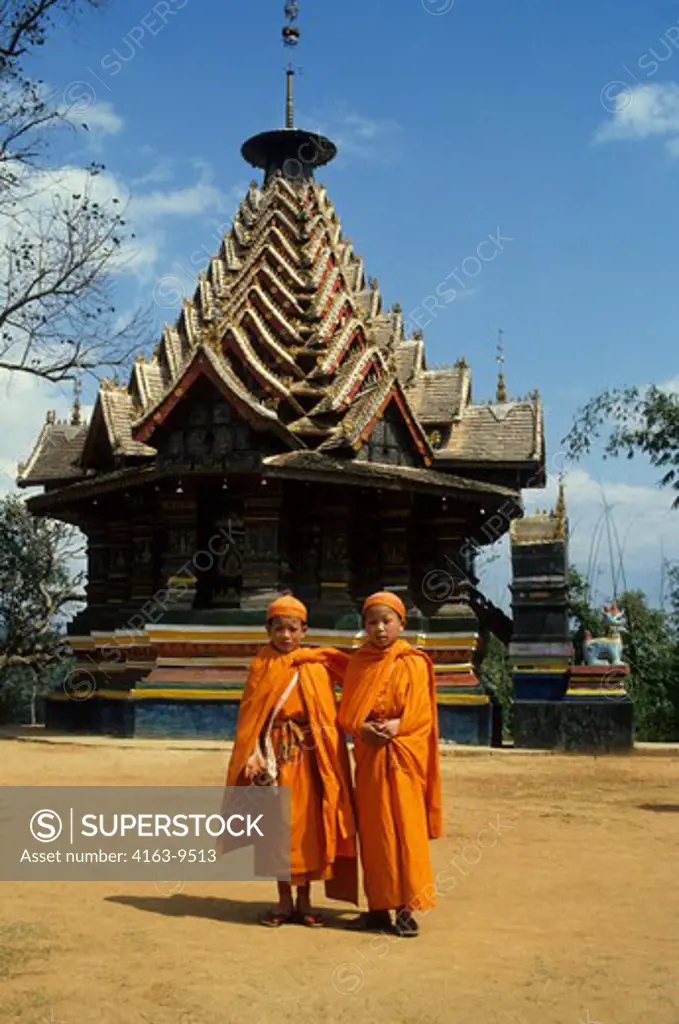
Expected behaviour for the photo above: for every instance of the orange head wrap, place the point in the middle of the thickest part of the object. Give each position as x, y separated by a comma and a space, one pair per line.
385, 597
287, 605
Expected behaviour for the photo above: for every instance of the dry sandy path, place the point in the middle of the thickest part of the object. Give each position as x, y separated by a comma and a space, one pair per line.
570, 916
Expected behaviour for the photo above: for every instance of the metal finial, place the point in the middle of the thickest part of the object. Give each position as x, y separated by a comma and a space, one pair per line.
289, 108
500, 392
77, 407
291, 36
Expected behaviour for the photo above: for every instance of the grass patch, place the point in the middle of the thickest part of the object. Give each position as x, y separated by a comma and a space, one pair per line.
33, 1004
21, 944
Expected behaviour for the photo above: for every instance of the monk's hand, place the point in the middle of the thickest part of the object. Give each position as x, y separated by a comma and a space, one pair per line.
374, 734
390, 727
254, 765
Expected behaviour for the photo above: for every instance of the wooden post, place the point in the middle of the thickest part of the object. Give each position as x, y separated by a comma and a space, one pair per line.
178, 573
395, 547
335, 569
450, 583
261, 556
303, 539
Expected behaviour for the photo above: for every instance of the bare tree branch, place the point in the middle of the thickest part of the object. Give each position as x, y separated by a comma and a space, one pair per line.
62, 234
25, 23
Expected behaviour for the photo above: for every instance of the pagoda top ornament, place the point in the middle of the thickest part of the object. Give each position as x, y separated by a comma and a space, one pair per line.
291, 33
292, 152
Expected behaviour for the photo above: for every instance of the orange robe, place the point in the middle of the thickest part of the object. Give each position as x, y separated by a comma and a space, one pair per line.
398, 786
312, 759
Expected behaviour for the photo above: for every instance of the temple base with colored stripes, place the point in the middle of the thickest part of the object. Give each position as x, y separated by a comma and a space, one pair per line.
180, 680
586, 709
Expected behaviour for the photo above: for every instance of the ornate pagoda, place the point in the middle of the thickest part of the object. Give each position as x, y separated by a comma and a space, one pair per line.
284, 434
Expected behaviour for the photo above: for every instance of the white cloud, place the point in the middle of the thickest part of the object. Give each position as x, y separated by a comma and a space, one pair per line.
151, 213
642, 112
365, 138
643, 532
139, 257
23, 404
671, 385
40, 189
100, 118
147, 214
77, 106
66, 180
161, 171
183, 202
24, 401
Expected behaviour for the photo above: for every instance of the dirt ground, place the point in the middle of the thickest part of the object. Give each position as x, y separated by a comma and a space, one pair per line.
564, 911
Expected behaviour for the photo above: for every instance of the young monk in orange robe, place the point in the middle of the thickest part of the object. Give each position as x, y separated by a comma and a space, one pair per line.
389, 707
287, 731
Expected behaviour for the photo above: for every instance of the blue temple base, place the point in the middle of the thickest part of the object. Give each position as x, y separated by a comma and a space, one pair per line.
478, 725
475, 725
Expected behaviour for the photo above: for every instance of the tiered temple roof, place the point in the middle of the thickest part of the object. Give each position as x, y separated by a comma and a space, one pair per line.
288, 328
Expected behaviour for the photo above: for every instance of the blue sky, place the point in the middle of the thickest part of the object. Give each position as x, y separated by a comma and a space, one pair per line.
556, 124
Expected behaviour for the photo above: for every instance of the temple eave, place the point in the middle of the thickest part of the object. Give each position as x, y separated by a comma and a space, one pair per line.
308, 465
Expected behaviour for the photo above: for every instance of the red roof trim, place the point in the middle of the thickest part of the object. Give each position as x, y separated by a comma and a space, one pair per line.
358, 333
416, 434
373, 362
199, 366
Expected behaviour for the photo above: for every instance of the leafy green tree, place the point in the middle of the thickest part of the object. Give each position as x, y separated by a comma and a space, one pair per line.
38, 588
583, 615
496, 677
652, 654
640, 421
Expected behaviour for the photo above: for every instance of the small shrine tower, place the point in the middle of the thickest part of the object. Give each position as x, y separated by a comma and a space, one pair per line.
557, 704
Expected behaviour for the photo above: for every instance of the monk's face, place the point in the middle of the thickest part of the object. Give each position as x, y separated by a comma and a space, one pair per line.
285, 633
382, 625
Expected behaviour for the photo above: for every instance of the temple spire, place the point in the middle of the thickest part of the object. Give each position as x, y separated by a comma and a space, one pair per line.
291, 35
289, 109
500, 391
290, 151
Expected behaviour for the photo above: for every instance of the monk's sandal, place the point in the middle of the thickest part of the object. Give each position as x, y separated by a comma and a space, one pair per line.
406, 926
274, 919
310, 920
372, 921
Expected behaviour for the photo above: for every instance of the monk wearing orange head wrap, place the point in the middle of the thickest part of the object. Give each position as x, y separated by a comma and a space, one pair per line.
389, 707
287, 735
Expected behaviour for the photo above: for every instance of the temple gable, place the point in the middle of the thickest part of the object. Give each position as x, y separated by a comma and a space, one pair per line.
390, 440
205, 429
